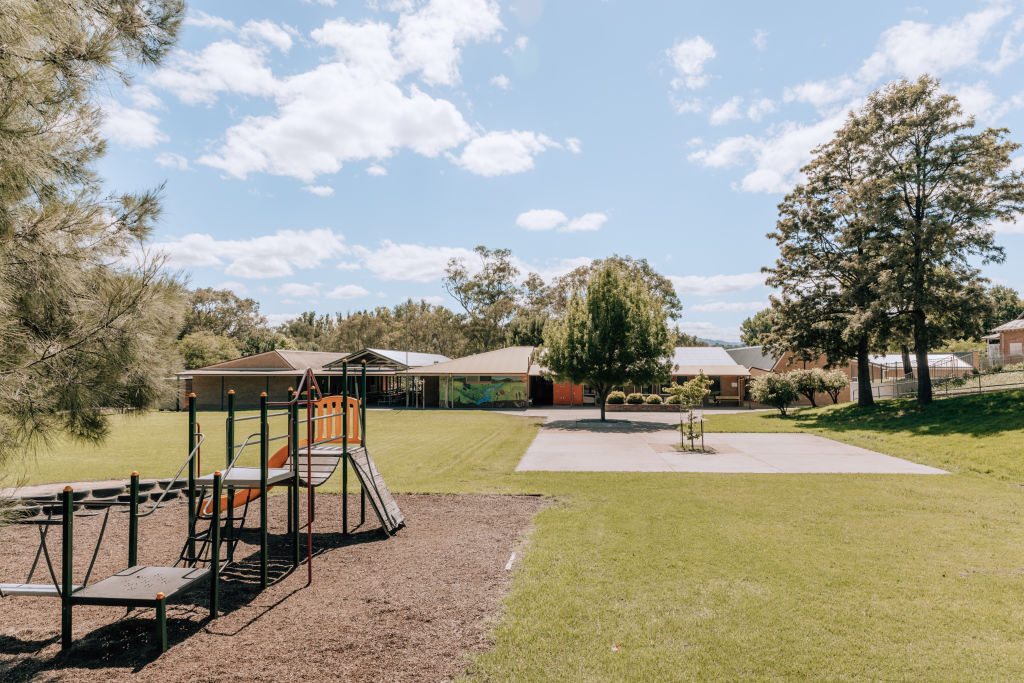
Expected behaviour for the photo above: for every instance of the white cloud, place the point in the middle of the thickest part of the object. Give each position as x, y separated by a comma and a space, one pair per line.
688, 57
142, 97
503, 152
588, 222
552, 219
300, 290
268, 32
266, 256
429, 38
551, 269
760, 38
518, 45
758, 108
728, 152
410, 262
715, 284
690, 106
541, 219
223, 66
1009, 227
706, 330
172, 160
376, 170
238, 288
574, 145
432, 300
319, 190
196, 17
727, 111
976, 98
348, 265
347, 292
275, 319
130, 127
501, 81
729, 306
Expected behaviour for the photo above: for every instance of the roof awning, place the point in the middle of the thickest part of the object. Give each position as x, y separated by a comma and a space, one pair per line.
717, 370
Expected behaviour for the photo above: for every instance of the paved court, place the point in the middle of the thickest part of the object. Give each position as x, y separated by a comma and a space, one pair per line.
648, 446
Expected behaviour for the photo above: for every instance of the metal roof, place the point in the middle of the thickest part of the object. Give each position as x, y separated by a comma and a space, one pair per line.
711, 360
402, 359
282, 361
935, 360
754, 357
1017, 324
512, 360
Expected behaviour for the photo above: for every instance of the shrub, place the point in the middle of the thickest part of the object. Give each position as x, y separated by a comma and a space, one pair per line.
635, 399
673, 400
616, 397
778, 391
653, 400
835, 382
808, 382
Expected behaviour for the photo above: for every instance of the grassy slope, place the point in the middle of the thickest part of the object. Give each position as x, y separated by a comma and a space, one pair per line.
722, 576
981, 433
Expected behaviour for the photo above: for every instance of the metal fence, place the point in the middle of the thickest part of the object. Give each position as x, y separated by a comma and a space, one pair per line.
996, 377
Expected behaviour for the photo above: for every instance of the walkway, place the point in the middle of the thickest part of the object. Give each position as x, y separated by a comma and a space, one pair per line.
645, 445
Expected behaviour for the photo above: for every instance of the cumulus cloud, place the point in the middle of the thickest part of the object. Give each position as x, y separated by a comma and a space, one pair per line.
706, 330
760, 38
130, 127
347, 292
553, 219
266, 256
319, 190
758, 108
268, 32
299, 290
376, 170
688, 57
275, 319
727, 111
715, 284
199, 18
729, 306
223, 66
574, 145
432, 300
172, 160
503, 152
410, 262
501, 81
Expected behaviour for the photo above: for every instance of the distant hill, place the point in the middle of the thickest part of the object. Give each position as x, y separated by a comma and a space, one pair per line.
719, 342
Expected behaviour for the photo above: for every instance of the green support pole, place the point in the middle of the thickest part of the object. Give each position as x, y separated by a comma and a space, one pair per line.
291, 518
67, 544
294, 417
229, 430
344, 448
133, 521
362, 407
161, 621
264, 455
191, 553
215, 548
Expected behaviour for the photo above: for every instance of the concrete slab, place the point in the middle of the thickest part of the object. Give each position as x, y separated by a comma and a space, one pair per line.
647, 446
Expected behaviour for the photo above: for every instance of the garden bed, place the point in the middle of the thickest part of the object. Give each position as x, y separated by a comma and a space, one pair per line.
641, 408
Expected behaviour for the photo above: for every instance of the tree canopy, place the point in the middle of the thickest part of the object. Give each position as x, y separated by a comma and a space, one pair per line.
82, 331
613, 332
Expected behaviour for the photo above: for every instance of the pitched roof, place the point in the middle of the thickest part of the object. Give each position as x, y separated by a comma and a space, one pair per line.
754, 357
400, 359
711, 360
512, 360
1017, 324
282, 361
935, 360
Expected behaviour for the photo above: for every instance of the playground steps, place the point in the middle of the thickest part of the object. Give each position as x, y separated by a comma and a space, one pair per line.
247, 477
138, 586
323, 462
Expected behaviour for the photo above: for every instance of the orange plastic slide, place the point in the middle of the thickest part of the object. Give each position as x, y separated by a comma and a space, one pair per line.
327, 429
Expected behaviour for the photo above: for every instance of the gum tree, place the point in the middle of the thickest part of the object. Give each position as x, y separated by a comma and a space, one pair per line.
612, 333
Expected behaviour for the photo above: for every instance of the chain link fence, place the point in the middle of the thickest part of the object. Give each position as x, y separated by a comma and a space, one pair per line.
966, 372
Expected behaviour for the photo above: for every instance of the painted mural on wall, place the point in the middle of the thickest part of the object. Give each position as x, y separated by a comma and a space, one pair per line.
488, 392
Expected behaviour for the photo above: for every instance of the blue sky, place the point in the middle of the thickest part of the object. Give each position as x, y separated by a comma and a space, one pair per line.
332, 155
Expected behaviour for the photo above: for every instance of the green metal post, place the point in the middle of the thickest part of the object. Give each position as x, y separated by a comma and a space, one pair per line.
161, 621
229, 430
291, 518
293, 416
215, 548
264, 455
344, 448
191, 552
133, 521
362, 408
67, 544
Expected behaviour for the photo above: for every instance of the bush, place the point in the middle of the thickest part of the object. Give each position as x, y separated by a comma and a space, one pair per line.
635, 399
653, 400
778, 391
616, 397
808, 382
673, 400
835, 382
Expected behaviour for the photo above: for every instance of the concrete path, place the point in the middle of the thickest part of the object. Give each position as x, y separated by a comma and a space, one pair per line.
648, 446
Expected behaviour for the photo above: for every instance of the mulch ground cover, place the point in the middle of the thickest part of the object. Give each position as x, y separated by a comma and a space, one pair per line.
410, 607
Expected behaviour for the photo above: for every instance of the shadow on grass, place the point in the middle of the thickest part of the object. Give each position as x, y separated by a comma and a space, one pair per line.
977, 415
616, 426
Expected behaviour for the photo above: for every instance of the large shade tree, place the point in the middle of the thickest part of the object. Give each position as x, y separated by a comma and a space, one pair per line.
614, 332
82, 331
489, 293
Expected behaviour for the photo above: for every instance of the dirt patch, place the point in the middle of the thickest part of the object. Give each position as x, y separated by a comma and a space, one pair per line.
411, 607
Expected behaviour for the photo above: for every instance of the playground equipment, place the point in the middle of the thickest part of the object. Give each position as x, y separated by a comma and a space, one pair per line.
212, 500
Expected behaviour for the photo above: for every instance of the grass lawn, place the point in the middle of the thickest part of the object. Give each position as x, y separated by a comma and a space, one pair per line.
700, 576
981, 433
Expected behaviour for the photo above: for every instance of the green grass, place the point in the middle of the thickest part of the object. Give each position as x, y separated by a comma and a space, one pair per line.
981, 433
708, 576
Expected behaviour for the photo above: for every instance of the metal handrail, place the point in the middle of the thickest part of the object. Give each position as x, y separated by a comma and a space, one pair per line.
202, 437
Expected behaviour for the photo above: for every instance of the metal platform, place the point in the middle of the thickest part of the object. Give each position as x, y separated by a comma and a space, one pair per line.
138, 586
247, 477
32, 590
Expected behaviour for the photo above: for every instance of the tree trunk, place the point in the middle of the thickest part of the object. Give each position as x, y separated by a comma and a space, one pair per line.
601, 395
924, 375
908, 368
864, 397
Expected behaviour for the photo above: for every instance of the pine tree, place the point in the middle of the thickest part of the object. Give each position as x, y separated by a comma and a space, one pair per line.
81, 329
